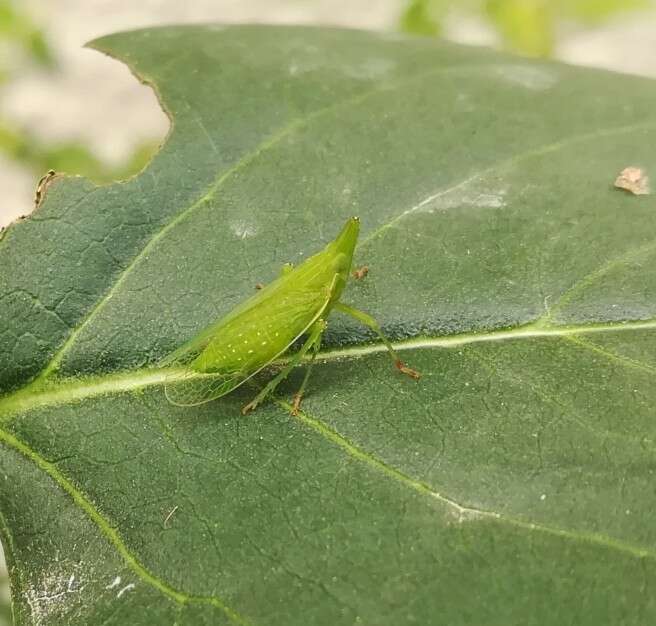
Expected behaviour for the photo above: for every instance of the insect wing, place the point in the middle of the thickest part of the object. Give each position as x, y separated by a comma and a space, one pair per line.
191, 387
188, 351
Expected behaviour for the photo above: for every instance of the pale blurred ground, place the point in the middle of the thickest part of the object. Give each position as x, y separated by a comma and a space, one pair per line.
95, 100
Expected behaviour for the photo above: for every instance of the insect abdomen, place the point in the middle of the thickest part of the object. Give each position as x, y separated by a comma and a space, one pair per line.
257, 337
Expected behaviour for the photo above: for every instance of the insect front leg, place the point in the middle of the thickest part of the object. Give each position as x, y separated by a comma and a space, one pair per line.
369, 321
315, 335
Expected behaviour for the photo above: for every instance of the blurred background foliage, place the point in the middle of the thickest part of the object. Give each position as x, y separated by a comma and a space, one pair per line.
527, 27
24, 47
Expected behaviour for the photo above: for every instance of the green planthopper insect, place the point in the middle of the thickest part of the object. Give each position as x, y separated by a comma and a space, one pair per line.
253, 335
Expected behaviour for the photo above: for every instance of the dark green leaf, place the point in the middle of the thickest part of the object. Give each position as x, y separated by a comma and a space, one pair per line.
513, 484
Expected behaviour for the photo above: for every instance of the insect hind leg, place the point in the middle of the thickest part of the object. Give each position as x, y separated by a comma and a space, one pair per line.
369, 321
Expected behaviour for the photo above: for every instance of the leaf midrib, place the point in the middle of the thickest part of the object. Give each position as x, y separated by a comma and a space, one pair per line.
65, 391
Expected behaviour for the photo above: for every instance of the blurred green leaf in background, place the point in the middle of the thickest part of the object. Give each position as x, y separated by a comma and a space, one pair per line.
528, 27
71, 157
16, 27
25, 46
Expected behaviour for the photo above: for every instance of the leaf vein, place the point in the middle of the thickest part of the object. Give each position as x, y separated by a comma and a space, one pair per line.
112, 535
544, 149
462, 512
72, 390
613, 356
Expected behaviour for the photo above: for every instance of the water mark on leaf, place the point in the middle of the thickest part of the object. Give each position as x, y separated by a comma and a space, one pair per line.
243, 229
126, 588
115, 583
49, 597
476, 194
531, 77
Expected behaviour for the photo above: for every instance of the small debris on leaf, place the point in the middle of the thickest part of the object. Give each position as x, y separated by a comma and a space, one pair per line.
170, 515
633, 179
361, 272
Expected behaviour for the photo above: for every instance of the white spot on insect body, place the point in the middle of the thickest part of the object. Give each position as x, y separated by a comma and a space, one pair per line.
535, 78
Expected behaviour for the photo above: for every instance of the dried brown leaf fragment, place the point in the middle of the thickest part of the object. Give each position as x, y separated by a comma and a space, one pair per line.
633, 179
